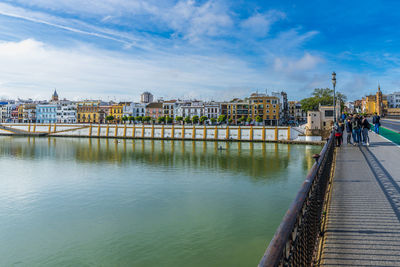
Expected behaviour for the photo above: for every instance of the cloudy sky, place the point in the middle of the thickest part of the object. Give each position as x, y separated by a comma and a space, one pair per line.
115, 49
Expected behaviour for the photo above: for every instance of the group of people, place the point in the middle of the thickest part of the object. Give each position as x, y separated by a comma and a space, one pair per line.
356, 126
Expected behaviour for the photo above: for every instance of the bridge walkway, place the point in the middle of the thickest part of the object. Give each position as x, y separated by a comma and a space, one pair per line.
363, 218
19, 132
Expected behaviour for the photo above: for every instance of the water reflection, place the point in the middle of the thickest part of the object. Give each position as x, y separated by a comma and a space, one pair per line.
264, 158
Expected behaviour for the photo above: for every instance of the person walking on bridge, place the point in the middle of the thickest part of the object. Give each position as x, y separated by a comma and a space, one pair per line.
376, 120
348, 129
356, 128
365, 129
338, 128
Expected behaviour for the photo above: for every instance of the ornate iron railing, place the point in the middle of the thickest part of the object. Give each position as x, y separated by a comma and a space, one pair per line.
295, 241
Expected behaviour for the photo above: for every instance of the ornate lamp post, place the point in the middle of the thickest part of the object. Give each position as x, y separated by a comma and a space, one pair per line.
334, 96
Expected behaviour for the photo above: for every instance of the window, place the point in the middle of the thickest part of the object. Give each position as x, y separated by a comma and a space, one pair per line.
328, 113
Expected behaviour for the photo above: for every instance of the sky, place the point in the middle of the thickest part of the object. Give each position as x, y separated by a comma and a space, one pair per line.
210, 50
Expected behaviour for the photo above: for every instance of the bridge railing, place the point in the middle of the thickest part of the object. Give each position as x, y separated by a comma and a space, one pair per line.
295, 241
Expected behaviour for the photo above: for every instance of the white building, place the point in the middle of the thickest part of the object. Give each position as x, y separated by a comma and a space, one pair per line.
135, 110
66, 112
190, 109
212, 110
394, 100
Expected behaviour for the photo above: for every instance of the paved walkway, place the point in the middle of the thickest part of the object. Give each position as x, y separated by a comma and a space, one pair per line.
363, 227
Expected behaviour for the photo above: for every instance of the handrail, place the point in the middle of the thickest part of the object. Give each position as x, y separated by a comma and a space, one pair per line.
295, 240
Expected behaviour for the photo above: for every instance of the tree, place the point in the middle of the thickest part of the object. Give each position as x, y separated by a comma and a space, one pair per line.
188, 120
160, 119
249, 119
222, 118
241, 119
168, 119
203, 119
139, 119
131, 119
179, 119
124, 119
109, 118
195, 119
213, 120
259, 119
230, 121
147, 119
322, 96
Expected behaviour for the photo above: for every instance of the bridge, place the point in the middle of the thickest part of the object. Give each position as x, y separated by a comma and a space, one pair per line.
347, 212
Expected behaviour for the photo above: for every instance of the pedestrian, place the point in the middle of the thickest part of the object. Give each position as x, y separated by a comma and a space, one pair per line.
343, 117
338, 134
376, 120
365, 129
348, 130
356, 130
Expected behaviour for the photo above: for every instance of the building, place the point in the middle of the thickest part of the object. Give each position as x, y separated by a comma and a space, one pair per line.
296, 113
394, 100
155, 110
135, 110
283, 106
117, 111
320, 122
146, 97
66, 112
266, 107
46, 113
377, 103
212, 110
88, 111
190, 109
29, 113
170, 108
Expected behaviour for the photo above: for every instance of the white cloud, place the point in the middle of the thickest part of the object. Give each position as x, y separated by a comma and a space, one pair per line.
305, 63
259, 24
32, 68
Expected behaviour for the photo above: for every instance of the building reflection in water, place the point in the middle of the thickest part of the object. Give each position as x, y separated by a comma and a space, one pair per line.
254, 159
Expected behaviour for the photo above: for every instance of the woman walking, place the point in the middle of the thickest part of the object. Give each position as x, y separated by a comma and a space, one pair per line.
365, 129
338, 133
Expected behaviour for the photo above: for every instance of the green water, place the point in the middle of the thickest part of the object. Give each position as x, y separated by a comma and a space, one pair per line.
91, 202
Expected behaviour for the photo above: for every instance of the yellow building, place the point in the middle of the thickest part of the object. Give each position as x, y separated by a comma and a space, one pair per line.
375, 103
267, 107
88, 111
117, 111
20, 113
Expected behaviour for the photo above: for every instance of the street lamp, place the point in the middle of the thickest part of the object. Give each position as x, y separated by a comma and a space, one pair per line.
334, 96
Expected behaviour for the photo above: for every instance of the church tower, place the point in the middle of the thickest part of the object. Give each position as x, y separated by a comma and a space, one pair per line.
54, 97
379, 104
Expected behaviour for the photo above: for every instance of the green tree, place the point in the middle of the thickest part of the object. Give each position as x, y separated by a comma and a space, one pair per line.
222, 118
195, 119
259, 119
241, 119
131, 119
109, 118
322, 96
160, 119
147, 119
230, 121
203, 119
179, 119
168, 119
124, 119
188, 120
249, 119
213, 120
139, 119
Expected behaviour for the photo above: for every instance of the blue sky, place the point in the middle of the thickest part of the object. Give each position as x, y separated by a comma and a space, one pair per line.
114, 49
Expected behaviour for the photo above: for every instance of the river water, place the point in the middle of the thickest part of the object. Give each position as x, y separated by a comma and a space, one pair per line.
98, 202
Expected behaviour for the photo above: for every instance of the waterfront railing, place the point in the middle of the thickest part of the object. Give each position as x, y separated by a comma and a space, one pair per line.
295, 241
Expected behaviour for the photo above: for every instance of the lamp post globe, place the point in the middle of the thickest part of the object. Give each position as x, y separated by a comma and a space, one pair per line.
334, 95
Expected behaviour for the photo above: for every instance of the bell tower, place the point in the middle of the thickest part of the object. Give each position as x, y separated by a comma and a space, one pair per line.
54, 97
379, 104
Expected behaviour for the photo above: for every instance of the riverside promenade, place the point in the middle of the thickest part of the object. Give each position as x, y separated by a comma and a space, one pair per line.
363, 218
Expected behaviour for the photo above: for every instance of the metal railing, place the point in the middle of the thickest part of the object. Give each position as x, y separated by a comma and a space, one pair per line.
295, 241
